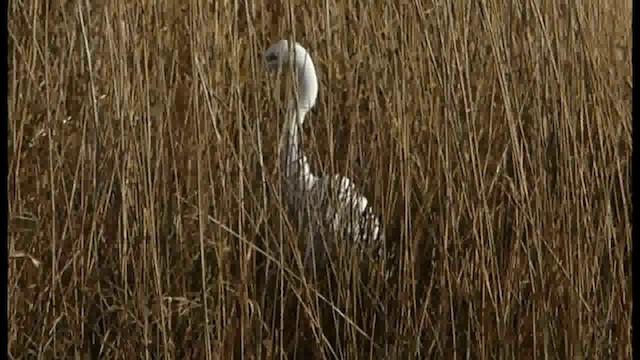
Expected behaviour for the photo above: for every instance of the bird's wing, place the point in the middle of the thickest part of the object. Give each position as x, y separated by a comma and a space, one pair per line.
337, 208
340, 206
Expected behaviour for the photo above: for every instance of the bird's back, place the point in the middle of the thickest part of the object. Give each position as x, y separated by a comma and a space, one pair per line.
339, 210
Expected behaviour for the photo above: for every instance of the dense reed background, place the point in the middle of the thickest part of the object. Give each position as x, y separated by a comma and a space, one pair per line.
494, 138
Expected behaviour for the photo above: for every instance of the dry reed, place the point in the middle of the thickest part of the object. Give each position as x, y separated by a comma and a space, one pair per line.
145, 215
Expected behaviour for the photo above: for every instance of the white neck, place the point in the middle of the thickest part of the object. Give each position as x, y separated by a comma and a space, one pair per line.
307, 81
293, 163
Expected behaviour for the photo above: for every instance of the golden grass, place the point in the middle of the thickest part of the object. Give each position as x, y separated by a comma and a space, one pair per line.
494, 137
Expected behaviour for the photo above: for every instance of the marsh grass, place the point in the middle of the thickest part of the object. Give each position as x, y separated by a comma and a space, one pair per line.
145, 209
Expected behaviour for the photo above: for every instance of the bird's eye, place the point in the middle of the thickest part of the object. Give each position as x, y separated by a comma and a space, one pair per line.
271, 57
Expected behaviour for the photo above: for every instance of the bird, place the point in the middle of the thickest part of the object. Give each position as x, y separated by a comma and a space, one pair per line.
330, 206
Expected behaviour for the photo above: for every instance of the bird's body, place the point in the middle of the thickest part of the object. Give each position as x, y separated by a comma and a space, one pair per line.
346, 212
330, 206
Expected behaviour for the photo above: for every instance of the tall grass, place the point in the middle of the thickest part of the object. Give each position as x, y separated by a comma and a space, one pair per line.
146, 217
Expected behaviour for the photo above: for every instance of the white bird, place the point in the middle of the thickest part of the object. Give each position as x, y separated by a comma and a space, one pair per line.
328, 205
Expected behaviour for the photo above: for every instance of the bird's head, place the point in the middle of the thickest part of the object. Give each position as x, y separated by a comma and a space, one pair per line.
281, 53
285, 53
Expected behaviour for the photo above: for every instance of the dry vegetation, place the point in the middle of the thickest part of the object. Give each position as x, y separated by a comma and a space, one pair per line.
494, 137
